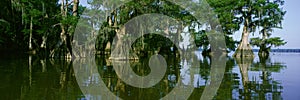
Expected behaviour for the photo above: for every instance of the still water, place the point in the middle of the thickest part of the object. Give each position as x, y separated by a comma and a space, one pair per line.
31, 78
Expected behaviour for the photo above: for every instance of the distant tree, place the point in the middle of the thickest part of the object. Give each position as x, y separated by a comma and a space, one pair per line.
265, 44
270, 17
254, 14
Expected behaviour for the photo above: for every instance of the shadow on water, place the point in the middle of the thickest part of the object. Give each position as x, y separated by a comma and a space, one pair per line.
33, 78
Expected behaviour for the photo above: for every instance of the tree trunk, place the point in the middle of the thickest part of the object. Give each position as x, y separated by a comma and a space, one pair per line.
75, 7
264, 50
63, 36
70, 40
244, 49
43, 45
64, 48
121, 50
30, 36
44, 37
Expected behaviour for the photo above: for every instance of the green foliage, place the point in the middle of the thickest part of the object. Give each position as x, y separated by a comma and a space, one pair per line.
126, 12
18, 13
4, 27
225, 10
153, 42
276, 41
270, 42
269, 16
201, 39
263, 15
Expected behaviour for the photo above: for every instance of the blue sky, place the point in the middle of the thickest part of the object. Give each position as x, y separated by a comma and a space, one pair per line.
291, 25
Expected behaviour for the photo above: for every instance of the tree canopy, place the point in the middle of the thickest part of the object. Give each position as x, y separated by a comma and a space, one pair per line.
48, 25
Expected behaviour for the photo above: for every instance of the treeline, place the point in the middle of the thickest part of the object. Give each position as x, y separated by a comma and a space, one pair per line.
46, 27
281, 50
38, 26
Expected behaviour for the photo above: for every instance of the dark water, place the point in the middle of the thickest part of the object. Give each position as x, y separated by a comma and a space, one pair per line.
31, 78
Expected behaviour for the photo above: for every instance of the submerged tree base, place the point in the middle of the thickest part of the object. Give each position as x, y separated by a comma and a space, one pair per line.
241, 53
263, 54
123, 58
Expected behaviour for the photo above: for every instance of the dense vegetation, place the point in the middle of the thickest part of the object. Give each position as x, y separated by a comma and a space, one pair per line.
46, 27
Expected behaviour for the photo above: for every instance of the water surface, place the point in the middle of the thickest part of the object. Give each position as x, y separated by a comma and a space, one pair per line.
31, 78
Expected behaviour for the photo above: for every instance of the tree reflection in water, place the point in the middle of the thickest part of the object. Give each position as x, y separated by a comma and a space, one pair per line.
265, 87
34, 78
121, 89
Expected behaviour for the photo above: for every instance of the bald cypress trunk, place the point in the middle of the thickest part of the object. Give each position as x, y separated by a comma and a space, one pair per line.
264, 50
75, 7
30, 34
244, 49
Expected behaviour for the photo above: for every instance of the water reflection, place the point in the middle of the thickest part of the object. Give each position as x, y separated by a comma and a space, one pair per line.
265, 87
121, 89
244, 64
34, 78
